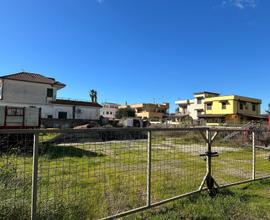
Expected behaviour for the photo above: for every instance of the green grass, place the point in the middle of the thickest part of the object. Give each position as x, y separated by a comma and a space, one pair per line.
47, 136
249, 201
93, 180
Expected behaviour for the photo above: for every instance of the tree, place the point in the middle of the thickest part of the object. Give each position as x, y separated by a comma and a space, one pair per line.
125, 113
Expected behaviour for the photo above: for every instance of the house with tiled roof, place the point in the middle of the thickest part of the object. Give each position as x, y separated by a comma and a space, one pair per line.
26, 89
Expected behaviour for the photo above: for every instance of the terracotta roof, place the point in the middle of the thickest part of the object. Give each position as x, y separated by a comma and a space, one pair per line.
74, 102
33, 77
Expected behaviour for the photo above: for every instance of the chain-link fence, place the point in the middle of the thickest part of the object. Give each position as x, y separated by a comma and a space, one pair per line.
262, 159
234, 162
106, 173
15, 175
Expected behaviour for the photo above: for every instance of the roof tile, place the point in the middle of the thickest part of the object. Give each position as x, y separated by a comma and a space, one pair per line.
33, 77
74, 102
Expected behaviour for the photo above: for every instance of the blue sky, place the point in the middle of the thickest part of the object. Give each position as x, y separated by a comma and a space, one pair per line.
140, 50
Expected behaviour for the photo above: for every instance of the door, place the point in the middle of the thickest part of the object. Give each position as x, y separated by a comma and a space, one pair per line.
62, 115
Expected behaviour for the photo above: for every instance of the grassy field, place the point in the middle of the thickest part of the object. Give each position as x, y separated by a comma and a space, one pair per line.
245, 202
91, 180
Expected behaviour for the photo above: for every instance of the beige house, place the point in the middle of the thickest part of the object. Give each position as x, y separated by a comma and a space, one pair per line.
149, 110
194, 107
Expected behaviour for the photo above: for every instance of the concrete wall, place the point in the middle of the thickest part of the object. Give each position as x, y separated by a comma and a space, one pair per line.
62, 123
31, 117
217, 108
81, 112
26, 92
150, 115
62, 108
191, 110
92, 113
88, 113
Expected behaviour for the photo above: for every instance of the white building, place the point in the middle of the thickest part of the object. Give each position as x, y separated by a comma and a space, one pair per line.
109, 110
194, 107
34, 90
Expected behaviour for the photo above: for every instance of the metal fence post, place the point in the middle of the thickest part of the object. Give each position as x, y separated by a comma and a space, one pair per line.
149, 167
208, 178
34, 177
253, 156
209, 150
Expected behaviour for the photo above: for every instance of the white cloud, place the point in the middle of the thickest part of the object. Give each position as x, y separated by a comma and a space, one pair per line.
241, 4
100, 1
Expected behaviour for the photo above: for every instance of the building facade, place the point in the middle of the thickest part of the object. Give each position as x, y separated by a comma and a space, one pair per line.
37, 91
194, 107
231, 109
109, 110
149, 111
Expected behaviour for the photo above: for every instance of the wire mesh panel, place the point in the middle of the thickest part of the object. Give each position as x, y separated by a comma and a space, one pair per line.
234, 163
262, 140
91, 175
15, 175
177, 167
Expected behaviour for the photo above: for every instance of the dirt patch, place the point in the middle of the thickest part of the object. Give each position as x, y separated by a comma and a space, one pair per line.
194, 149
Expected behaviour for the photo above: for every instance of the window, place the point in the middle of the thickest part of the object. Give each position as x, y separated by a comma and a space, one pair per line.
139, 110
107, 113
49, 93
110, 113
15, 111
223, 105
161, 111
62, 115
199, 112
209, 106
49, 116
241, 106
199, 101
184, 110
254, 107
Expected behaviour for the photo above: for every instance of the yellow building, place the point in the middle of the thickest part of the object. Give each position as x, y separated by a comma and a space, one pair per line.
231, 110
148, 110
